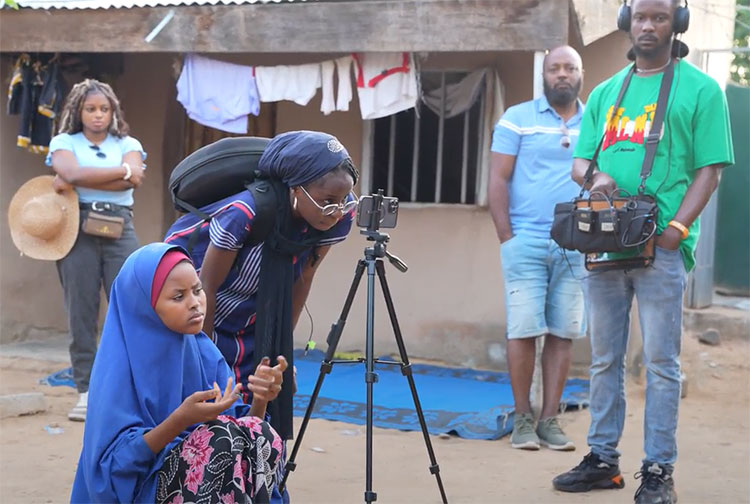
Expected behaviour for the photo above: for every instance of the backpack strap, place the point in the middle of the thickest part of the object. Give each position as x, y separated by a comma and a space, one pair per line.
196, 232
265, 209
263, 221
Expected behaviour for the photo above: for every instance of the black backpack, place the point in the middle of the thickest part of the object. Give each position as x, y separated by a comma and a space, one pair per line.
219, 170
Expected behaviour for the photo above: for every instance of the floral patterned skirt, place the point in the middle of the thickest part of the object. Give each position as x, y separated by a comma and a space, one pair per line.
224, 461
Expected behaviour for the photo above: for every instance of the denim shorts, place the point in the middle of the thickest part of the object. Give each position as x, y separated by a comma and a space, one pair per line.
543, 293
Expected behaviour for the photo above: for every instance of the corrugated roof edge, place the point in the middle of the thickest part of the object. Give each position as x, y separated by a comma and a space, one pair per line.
127, 4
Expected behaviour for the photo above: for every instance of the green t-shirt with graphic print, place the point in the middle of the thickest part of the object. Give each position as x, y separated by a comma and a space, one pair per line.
696, 134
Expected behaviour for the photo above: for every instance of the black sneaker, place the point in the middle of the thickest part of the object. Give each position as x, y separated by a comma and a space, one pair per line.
591, 473
657, 485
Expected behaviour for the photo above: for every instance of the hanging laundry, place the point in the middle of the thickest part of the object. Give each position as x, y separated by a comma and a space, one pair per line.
218, 94
344, 95
386, 83
297, 83
35, 93
52, 94
327, 103
459, 96
15, 89
344, 91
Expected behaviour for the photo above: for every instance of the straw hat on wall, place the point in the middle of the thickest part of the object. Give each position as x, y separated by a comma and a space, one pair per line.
43, 224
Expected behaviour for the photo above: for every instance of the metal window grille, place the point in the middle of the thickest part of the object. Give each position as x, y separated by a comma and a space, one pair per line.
420, 156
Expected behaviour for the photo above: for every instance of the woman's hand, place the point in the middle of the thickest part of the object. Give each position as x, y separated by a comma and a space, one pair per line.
59, 185
265, 384
196, 408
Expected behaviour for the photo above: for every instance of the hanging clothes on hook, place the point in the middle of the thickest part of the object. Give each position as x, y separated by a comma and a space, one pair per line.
35, 93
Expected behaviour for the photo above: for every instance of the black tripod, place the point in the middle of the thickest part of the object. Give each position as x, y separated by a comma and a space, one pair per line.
373, 262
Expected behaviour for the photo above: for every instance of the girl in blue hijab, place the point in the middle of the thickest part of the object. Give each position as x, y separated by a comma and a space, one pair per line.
158, 427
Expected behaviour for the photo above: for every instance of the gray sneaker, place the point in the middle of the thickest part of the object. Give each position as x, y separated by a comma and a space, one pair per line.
552, 436
523, 436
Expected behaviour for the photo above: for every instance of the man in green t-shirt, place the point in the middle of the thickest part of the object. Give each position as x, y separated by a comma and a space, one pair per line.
695, 144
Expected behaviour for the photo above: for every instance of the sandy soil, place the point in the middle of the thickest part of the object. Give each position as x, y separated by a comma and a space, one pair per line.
713, 437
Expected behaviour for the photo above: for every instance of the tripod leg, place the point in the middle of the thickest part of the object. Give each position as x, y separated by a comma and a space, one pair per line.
406, 370
325, 367
370, 376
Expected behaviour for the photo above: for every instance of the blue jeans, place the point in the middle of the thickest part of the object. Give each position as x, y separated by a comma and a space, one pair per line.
609, 297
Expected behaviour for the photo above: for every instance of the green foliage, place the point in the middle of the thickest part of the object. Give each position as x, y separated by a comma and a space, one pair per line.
11, 3
740, 69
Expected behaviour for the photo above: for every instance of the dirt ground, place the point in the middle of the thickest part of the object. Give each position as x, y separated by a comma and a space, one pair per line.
713, 439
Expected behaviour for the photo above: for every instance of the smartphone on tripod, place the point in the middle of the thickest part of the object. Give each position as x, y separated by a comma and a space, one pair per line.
377, 209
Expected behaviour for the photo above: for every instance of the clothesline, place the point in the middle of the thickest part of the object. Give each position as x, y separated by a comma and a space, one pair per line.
221, 95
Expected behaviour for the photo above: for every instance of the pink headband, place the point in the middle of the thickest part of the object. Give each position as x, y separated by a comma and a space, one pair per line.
166, 265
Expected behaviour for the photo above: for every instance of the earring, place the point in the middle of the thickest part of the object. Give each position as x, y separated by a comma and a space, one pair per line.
294, 204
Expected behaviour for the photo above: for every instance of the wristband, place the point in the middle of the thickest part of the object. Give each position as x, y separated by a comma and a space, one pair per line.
128, 171
680, 227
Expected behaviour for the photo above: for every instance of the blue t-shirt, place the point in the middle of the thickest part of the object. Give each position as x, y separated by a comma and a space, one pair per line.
229, 229
532, 131
114, 149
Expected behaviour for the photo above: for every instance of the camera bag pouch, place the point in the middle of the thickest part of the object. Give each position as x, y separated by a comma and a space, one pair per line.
612, 225
105, 226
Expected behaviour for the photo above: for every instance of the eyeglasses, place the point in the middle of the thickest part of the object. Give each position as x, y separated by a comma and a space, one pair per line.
99, 153
565, 139
331, 209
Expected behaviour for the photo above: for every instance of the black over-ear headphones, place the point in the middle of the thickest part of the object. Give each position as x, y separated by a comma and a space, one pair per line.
680, 21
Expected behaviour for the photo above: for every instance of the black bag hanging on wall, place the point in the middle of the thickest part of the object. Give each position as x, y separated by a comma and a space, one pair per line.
619, 223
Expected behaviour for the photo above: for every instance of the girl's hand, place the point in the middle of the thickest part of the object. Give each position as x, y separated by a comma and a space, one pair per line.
196, 408
265, 384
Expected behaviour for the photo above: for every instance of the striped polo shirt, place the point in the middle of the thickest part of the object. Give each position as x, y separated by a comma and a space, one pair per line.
533, 132
229, 229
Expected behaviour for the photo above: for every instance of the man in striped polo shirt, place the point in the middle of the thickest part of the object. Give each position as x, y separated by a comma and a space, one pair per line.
532, 149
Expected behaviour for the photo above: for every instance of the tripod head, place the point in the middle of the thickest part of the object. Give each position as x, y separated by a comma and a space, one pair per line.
373, 212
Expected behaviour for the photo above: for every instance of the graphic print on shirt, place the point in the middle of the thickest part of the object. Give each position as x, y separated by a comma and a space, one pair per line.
622, 128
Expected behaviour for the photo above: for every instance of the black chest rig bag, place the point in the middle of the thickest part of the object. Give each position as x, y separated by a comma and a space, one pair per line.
615, 223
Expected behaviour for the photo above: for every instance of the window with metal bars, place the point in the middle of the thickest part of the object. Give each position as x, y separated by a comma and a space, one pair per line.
424, 157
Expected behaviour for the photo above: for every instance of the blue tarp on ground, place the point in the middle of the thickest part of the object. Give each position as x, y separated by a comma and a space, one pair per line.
472, 404
469, 403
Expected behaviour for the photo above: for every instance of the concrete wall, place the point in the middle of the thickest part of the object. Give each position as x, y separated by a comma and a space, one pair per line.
449, 303
30, 295
31, 301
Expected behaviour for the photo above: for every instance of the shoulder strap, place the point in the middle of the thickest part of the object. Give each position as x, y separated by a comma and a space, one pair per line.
265, 209
197, 231
652, 141
263, 221
592, 164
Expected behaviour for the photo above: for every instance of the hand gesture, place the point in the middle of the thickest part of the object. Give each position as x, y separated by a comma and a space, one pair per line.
265, 384
602, 183
196, 408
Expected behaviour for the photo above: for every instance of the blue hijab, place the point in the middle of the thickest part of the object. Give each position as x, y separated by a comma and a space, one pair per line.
142, 373
299, 157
